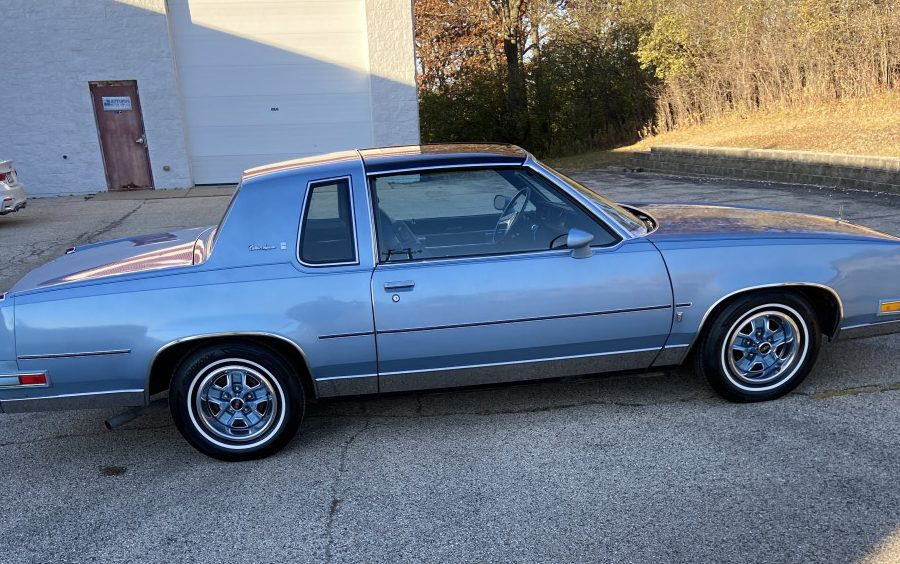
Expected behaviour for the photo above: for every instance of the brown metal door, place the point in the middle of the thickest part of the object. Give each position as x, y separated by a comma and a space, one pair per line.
122, 139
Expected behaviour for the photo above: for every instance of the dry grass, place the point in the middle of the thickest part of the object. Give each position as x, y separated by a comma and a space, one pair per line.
866, 126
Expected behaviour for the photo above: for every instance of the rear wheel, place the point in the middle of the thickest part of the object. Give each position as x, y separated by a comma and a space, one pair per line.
759, 347
236, 401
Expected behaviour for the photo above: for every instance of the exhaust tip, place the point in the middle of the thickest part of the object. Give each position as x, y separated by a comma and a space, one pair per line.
116, 421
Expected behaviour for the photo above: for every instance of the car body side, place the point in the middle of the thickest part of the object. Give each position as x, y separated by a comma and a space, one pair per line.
106, 341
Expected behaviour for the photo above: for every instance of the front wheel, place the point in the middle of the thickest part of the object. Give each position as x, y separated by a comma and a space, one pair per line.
760, 347
236, 401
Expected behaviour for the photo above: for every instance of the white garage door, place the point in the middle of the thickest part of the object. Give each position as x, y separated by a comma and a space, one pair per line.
269, 80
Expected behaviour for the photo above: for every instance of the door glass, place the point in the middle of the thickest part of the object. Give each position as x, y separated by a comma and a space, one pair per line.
327, 233
475, 212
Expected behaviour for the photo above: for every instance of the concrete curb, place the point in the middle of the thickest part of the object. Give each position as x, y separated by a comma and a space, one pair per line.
880, 174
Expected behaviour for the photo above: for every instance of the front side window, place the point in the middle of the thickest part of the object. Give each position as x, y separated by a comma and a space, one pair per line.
326, 236
474, 212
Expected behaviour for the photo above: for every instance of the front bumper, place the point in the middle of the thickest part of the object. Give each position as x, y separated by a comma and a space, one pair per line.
12, 198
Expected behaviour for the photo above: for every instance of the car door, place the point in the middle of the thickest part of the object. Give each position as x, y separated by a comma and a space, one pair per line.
465, 294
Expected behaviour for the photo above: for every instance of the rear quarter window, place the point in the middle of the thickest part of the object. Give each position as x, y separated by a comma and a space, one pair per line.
327, 231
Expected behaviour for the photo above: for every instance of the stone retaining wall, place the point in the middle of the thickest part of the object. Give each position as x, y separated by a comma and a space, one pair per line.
795, 167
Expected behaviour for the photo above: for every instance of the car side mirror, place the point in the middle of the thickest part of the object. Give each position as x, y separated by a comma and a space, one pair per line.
580, 243
500, 202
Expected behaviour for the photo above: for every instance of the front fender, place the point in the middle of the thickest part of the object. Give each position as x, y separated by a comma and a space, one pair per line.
704, 274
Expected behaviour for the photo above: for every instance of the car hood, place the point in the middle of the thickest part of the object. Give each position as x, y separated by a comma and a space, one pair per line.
678, 221
121, 256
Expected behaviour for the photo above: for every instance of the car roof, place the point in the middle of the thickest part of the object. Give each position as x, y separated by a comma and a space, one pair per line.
314, 160
394, 159
383, 160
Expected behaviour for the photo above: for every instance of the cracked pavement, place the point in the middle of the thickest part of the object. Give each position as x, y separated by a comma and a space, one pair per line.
640, 468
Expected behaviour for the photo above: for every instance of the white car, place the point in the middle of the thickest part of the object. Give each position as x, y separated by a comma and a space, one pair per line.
12, 192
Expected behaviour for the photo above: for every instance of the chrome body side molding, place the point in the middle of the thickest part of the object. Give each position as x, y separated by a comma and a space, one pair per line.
362, 385
672, 355
526, 319
502, 372
871, 330
88, 400
72, 355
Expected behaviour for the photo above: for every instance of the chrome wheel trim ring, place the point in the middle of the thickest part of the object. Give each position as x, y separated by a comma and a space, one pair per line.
791, 365
197, 416
233, 394
757, 347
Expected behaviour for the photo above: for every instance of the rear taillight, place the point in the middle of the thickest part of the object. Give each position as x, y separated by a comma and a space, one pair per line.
3, 176
38, 379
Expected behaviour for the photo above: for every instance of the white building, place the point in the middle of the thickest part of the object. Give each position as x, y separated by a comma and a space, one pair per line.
118, 94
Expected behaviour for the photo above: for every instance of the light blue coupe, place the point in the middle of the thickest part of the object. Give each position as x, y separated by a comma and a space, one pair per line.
407, 268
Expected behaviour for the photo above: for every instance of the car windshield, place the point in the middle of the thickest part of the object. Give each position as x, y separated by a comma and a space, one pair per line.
625, 218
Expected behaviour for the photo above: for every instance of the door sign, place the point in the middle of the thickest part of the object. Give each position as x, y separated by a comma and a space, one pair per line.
116, 103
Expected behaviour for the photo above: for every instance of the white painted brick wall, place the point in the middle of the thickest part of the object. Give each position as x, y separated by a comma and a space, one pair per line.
50, 50
395, 108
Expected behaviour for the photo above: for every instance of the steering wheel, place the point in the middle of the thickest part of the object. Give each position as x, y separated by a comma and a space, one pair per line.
510, 215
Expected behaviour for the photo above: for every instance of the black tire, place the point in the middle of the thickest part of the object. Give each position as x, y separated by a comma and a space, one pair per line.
749, 367
260, 389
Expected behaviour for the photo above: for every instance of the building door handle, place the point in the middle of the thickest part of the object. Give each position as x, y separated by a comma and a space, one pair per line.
406, 285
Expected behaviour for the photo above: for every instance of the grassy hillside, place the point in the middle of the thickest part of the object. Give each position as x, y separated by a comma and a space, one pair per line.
869, 126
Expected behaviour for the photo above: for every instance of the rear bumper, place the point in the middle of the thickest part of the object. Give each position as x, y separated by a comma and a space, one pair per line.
12, 199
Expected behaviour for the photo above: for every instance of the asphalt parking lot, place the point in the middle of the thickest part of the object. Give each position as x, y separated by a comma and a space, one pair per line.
648, 468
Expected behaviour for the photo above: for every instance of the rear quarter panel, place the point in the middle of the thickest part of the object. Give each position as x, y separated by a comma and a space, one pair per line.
7, 336
237, 290
143, 317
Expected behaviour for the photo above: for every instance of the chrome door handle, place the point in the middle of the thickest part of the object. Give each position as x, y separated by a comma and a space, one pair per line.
140, 140
399, 285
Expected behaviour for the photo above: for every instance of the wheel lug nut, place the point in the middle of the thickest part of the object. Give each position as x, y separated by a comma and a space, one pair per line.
246, 410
